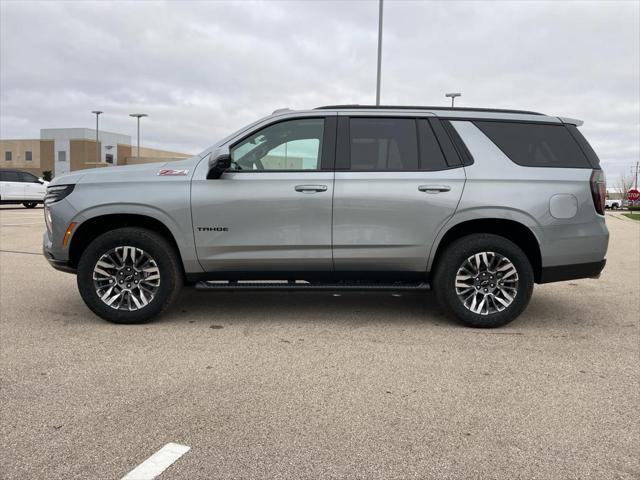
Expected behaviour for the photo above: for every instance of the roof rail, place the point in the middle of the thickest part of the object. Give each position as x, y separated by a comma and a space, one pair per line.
281, 110
422, 107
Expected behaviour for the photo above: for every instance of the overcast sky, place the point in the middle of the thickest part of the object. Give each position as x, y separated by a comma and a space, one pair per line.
203, 69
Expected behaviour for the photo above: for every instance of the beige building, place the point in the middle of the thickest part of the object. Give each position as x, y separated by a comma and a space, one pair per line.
64, 150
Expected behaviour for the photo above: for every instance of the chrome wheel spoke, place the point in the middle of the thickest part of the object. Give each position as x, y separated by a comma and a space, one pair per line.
126, 278
486, 283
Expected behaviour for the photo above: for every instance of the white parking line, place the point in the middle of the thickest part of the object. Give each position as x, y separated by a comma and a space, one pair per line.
18, 224
157, 463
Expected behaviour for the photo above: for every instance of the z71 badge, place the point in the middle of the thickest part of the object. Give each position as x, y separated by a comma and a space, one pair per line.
168, 172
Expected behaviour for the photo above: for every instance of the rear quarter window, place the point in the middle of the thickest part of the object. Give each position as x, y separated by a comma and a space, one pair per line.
536, 144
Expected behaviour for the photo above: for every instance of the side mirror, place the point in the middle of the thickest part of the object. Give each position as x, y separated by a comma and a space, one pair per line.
218, 165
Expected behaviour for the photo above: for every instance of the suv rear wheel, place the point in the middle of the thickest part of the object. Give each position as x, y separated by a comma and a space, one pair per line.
484, 280
129, 275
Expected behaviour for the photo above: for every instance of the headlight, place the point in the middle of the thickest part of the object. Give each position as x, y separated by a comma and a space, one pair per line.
56, 193
47, 219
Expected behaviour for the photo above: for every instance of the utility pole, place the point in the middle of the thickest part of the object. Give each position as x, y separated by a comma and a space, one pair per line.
379, 51
453, 96
97, 114
138, 116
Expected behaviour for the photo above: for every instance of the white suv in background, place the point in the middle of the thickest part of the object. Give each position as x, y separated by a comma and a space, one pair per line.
18, 187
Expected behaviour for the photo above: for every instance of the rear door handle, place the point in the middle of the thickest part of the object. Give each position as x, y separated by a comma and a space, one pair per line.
311, 188
434, 188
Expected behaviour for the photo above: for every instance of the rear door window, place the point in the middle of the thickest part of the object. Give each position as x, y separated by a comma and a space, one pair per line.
431, 156
383, 144
535, 144
11, 177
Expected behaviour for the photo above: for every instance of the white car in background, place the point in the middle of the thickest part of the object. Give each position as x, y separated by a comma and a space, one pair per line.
613, 204
18, 187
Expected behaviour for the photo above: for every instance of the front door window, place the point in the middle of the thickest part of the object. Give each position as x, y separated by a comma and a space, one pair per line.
292, 145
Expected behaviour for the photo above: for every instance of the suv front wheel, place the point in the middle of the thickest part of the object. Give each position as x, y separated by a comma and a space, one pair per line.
484, 280
129, 275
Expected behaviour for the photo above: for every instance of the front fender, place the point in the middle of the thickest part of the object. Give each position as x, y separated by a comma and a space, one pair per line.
168, 202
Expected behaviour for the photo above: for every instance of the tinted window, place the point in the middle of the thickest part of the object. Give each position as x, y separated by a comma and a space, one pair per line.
535, 145
586, 148
431, 157
383, 144
290, 145
27, 177
10, 176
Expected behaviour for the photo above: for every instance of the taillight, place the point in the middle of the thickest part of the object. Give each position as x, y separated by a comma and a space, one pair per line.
598, 190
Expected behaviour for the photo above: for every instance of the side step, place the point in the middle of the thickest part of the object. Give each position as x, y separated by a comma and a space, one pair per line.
302, 285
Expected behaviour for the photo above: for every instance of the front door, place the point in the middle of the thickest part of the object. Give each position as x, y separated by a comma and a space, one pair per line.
33, 189
271, 212
394, 190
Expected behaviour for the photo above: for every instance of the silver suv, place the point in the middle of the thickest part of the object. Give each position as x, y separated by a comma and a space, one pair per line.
476, 204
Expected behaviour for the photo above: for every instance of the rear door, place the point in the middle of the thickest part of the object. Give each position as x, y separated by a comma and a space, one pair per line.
396, 184
12, 186
271, 212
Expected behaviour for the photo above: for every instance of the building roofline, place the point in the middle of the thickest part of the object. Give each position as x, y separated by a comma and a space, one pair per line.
93, 130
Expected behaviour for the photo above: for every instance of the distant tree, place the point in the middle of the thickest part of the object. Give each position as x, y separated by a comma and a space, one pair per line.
623, 184
46, 175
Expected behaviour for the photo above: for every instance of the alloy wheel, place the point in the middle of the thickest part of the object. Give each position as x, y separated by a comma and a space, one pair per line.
126, 278
486, 283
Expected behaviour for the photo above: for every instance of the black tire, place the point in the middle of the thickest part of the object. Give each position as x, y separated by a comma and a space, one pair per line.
30, 204
162, 252
444, 281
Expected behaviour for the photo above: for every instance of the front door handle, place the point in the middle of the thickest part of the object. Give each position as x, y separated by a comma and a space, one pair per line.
311, 188
434, 188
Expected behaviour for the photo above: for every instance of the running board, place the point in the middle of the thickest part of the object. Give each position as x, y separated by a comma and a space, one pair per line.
302, 285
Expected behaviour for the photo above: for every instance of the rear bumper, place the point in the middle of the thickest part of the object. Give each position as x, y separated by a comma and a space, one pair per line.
560, 273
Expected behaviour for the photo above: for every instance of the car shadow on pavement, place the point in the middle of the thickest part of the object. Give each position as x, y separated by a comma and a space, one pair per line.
352, 308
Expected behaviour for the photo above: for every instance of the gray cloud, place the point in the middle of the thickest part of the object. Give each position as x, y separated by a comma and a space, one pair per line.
203, 69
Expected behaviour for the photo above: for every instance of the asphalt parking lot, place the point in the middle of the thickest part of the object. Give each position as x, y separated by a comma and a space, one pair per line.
295, 385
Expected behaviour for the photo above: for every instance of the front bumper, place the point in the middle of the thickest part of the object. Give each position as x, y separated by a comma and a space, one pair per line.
58, 264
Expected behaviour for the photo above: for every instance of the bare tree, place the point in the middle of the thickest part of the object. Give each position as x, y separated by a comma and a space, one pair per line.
623, 184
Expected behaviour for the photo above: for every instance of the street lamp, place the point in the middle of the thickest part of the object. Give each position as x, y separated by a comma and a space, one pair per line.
452, 96
138, 116
97, 114
379, 52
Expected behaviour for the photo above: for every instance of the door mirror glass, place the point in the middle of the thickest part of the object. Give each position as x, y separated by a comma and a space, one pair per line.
218, 166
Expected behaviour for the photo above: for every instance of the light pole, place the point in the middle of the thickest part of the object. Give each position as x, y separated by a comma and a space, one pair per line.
452, 96
379, 52
97, 114
138, 116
